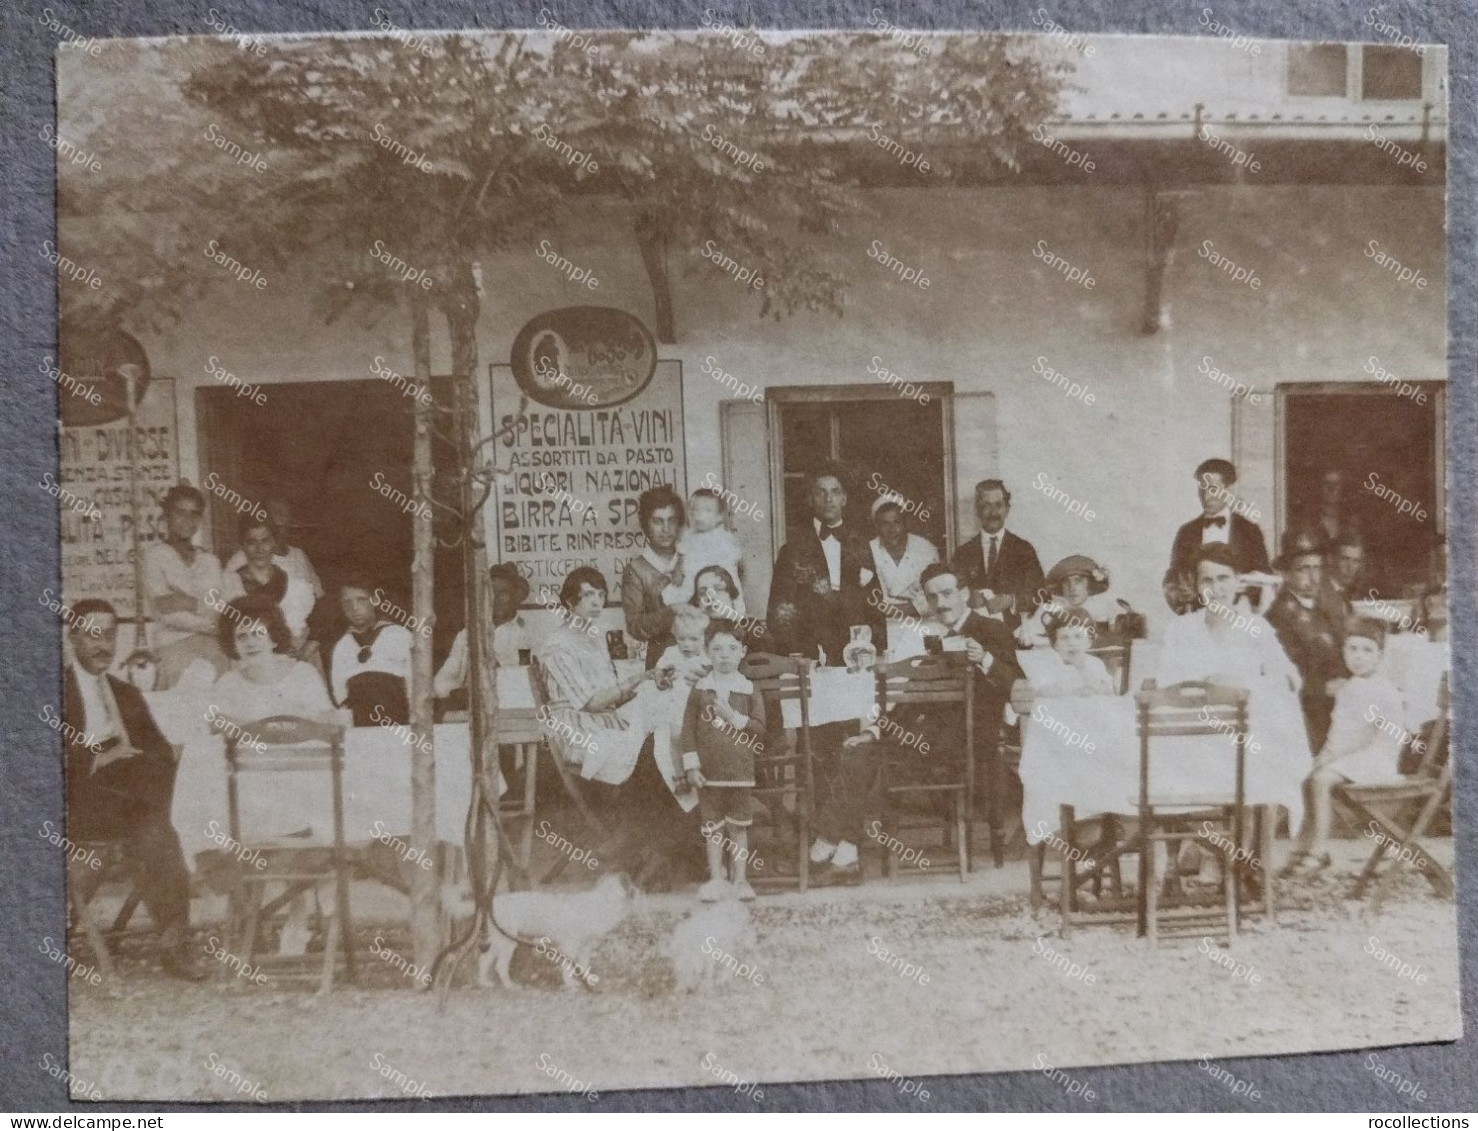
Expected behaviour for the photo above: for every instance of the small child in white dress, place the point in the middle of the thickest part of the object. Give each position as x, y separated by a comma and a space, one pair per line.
678, 668
1076, 671
707, 541
1365, 736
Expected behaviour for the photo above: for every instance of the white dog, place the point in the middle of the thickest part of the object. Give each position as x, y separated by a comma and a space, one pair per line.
562, 926
711, 943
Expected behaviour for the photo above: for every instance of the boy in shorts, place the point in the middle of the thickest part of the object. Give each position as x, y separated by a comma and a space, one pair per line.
722, 728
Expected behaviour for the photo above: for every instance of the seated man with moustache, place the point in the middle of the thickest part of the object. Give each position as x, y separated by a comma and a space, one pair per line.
923, 736
120, 779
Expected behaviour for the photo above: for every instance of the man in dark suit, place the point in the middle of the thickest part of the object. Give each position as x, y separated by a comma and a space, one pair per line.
1218, 522
924, 736
120, 779
998, 560
823, 581
1309, 621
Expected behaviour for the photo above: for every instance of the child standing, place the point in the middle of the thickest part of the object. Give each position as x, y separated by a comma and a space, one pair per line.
723, 726
707, 541
1365, 735
1076, 672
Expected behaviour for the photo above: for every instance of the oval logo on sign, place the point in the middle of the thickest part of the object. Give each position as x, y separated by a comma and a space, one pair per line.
93, 361
584, 357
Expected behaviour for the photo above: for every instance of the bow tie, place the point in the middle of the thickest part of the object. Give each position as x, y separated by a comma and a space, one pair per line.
1219, 520
830, 534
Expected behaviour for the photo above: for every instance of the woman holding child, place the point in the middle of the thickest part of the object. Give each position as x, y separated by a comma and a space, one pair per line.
648, 576
601, 722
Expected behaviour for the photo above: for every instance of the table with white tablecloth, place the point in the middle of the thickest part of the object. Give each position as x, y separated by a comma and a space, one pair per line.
1058, 767
376, 784
376, 787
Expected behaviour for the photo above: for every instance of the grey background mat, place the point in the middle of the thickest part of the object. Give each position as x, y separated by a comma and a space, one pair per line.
33, 1000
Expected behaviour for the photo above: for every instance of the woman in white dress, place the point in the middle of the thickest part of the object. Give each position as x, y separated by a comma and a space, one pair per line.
266, 680
1225, 644
260, 574
598, 719
601, 721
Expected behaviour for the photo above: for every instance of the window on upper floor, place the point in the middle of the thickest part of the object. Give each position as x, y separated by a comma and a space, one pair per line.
1317, 69
1368, 73
1389, 73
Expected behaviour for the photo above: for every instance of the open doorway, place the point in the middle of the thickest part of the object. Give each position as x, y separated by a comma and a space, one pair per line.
885, 441
1366, 458
327, 448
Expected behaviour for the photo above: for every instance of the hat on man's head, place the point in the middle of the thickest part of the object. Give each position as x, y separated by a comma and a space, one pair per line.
1079, 563
1298, 544
509, 573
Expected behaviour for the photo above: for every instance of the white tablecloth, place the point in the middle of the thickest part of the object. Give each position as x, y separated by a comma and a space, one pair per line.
1057, 768
1416, 665
837, 696
377, 792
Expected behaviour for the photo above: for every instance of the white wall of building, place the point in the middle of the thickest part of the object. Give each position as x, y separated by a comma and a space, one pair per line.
993, 306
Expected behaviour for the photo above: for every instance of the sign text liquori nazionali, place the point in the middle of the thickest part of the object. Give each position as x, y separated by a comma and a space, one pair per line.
576, 475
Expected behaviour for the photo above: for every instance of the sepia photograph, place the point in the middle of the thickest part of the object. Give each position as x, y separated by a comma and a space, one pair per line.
620, 559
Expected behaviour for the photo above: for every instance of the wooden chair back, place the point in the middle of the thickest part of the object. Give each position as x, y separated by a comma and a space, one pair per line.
1115, 657
781, 679
1190, 710
285, 744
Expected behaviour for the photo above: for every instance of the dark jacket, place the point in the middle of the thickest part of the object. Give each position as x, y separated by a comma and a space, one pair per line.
1313, 639
1018, 572
1245, 540
125, 792
944, 726
801, 616
648, 617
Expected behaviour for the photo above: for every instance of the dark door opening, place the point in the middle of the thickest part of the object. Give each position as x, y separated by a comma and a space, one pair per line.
332, 450
883, 441
1367, 458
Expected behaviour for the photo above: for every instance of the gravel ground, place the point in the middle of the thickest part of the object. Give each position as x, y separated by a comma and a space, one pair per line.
982, 993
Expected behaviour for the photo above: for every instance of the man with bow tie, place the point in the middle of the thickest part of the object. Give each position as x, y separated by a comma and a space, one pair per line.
823, 581
1217, 523
120, 779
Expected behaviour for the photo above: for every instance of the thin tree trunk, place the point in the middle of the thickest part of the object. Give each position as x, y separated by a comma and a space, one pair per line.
425, 890
653, 244
461, 306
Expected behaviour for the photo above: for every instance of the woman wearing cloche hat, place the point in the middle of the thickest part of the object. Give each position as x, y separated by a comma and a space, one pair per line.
1075, 584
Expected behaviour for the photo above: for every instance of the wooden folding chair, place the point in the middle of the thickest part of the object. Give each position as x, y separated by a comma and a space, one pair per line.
1190, 710
287, 745
938, 681
1088, 851
569, 778
1402, 810
784, 776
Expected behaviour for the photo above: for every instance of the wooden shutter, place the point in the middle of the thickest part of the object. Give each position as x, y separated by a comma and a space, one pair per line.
1257, 450
745, 458
970, 430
